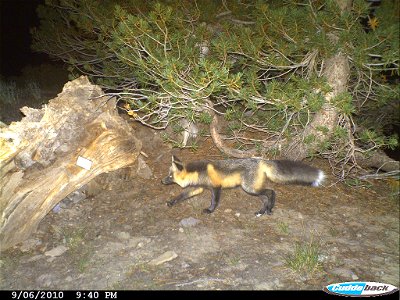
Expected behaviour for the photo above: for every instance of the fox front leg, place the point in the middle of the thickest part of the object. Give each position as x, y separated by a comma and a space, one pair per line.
215, 195
184, 196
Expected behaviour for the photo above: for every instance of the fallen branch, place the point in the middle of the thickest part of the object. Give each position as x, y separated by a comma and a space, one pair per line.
223, 148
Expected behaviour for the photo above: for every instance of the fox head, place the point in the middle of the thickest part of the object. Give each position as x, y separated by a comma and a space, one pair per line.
179, 174
174, 172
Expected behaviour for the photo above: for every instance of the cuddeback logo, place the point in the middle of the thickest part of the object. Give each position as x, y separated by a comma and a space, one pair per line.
360, 289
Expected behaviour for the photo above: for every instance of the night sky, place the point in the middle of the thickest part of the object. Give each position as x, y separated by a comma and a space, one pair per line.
16, 19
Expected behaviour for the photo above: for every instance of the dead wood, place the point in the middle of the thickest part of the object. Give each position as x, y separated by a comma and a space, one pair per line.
38, 155
217, 139
378, 160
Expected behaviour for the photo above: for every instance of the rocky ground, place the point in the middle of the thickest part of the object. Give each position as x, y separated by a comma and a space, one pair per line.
125, 237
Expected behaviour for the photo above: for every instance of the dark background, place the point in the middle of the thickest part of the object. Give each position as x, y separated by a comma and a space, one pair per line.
16, 19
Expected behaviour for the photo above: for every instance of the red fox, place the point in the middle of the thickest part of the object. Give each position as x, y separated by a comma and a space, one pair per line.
250, 173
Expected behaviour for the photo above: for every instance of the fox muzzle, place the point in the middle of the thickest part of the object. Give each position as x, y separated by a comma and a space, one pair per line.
168, 180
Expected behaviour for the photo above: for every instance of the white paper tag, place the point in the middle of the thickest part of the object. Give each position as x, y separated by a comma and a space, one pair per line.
84, 163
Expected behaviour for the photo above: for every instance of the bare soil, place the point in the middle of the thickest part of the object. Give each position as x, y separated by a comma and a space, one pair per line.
110, 240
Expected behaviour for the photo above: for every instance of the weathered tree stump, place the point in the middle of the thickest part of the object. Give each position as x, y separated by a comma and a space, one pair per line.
39, 154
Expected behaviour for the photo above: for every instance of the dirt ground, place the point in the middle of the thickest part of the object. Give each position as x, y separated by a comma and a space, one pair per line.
125, 237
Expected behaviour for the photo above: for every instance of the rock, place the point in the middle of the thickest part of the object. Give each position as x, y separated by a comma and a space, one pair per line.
342, 272
76, 196
190, 130
277, 283
228, 210
167, 256
35, 258
123, 235
189, 222
57, 251
264, 286
143, 169
51, 259
138, 242
237, 215
144, 242
45, 280
29, 244
133, 242
115, 246
354, 277
184, 265
322, 257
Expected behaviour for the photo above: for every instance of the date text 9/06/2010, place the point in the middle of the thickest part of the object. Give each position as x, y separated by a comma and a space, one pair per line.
21, 295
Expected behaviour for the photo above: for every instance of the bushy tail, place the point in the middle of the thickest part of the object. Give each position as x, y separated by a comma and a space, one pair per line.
294, 172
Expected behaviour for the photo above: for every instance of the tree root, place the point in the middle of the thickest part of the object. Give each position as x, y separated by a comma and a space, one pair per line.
223, 148
378, 160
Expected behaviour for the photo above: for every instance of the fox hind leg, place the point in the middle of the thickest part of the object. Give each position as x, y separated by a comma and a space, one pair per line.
268, 198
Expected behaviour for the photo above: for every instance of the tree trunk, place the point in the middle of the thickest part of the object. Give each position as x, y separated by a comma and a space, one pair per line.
40, 157
337, 72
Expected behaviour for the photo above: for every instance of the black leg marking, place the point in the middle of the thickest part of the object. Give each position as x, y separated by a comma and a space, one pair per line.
181, 197
184, 196
215, 196
268, 198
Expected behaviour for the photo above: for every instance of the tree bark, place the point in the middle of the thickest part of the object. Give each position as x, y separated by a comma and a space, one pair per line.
38, 163
337, 72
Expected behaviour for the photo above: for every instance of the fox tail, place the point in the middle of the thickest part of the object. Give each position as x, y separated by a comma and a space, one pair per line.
294, 172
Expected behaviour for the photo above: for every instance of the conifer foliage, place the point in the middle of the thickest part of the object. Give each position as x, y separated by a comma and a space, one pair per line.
262, 64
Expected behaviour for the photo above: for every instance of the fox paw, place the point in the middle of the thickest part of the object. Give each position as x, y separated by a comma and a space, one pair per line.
207, 211
260, 213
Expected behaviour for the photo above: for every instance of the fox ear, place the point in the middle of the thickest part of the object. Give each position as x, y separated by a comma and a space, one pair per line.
176, 163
